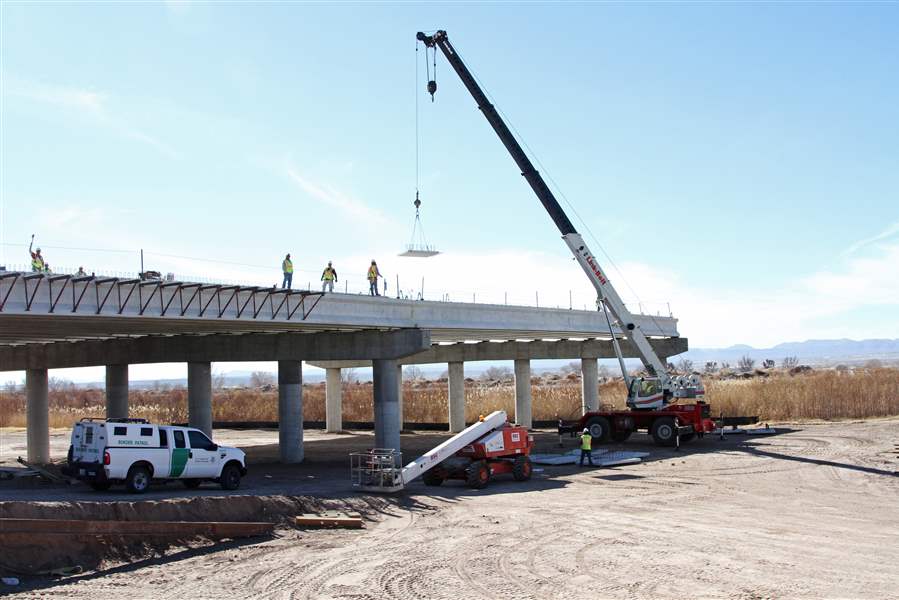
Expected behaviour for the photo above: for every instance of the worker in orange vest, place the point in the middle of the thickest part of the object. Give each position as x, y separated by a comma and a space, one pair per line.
373, 274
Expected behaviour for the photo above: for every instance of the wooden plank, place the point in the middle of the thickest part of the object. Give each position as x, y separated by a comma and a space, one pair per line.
215, 529
331, 519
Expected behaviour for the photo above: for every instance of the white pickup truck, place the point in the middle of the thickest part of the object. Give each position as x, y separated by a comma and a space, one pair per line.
135, 452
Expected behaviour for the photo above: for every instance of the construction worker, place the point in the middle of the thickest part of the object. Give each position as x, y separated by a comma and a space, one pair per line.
373, 274
287, 268
329, 276
80, 272
586, 447
37, 261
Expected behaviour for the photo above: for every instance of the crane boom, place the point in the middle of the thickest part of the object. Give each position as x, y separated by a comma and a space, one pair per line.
586, 259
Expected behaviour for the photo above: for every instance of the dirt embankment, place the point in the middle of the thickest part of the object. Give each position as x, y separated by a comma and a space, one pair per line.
36, 553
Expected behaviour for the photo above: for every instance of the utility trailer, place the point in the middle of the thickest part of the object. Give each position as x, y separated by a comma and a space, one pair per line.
491, 446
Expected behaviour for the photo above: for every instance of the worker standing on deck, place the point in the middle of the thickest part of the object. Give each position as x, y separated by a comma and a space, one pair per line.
287, 268
586, 447
37, 261
329, 276
373, 274
80, 272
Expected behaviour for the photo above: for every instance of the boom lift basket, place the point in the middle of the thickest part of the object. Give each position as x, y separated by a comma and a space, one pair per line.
377, 470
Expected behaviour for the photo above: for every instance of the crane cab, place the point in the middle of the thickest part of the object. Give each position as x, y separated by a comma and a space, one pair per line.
646, 393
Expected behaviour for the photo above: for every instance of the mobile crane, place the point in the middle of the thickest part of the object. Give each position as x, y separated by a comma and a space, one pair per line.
650, 399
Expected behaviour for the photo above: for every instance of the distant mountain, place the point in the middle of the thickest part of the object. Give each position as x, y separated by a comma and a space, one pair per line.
808, 352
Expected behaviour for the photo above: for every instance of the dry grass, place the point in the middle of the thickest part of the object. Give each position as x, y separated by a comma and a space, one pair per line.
828, 395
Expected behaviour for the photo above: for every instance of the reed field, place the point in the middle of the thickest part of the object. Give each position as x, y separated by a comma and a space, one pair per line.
817, 395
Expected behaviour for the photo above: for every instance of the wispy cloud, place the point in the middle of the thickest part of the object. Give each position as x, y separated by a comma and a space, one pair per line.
95, 104
348, 205
889, 232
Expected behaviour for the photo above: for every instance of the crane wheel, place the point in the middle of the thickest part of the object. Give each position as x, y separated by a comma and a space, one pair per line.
599, 429
477, 475
663, 431
521, 468
432, 478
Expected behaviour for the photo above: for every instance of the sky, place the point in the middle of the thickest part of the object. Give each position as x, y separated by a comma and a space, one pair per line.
736, 164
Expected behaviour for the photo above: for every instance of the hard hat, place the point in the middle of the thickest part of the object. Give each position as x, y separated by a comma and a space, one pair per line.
329, 263
586, 430
372, 261
38, 249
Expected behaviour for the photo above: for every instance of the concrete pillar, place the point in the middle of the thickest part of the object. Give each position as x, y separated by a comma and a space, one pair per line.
37, 416
333, 401
523, 392
399, 395
116, 391
456, 395
199, 396
387, 422
589, 385
290, 410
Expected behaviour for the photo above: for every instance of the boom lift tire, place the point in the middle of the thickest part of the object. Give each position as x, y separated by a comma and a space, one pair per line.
477, 475
599, 429
663, 431
521, 468
138, 479
432, 478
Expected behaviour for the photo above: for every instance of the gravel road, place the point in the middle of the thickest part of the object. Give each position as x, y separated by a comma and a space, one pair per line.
810, 513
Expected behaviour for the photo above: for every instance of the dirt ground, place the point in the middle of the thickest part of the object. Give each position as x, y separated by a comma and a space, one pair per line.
812, 512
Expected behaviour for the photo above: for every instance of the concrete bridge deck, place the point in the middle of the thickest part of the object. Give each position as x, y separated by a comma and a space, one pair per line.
46, 308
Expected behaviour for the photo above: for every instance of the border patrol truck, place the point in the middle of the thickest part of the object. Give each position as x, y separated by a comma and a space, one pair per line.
135, 452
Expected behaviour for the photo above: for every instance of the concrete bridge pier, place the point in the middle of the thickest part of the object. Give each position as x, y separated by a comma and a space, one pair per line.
290, 410
199, 396
589, 385
399, 393
37, 416
333, 401
456, 396
386, 403
523, 402
116, 391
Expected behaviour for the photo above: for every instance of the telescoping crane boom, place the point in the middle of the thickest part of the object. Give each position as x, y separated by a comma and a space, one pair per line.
653, 392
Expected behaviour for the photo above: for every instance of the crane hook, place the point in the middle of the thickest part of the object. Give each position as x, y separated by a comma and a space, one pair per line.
432, 88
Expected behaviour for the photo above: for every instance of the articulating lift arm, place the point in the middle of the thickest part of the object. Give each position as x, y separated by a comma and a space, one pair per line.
573, 239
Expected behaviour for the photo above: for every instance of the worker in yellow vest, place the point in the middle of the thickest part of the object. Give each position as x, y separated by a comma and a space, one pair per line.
37, 261
373, 274
287, 268
329, 276
586, 447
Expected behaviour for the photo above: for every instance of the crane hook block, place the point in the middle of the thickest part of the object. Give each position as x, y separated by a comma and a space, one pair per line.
432, 88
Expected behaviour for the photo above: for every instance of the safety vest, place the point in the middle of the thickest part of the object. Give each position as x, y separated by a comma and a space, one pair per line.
586, 442
37, 264
329, 274
372, 273
287, 266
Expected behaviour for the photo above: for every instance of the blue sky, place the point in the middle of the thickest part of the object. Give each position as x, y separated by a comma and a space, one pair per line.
738, 161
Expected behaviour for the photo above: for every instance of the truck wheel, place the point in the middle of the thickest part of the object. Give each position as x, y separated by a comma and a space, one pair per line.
230, 478
599, 428
521, 468
191, 484
100, 486
663, 431
621, 436
477, 475
432, 477
138, 479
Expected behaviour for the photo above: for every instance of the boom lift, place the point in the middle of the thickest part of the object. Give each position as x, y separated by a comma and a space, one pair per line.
650, 398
